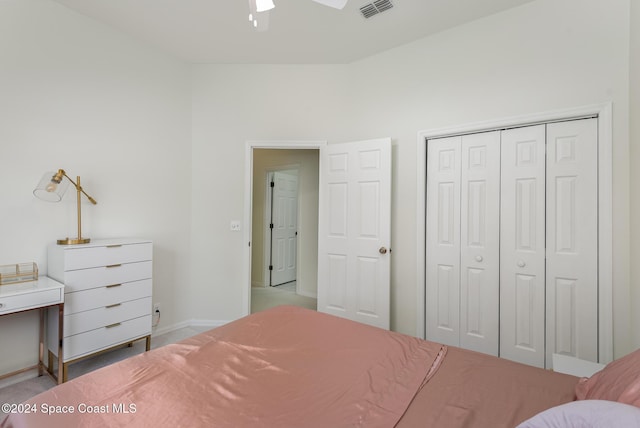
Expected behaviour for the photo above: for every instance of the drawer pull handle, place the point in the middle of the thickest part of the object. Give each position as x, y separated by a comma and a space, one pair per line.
113, 325
113, 285
113, 306
114, 246
1, 305
113, 266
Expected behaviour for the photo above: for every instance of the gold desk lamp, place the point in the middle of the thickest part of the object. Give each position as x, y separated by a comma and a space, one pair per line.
51, 188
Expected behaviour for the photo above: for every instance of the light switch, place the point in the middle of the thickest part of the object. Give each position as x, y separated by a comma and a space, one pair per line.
235, 225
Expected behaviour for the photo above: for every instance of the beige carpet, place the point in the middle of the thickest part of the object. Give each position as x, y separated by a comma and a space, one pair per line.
261, 299
21, 391
268, 297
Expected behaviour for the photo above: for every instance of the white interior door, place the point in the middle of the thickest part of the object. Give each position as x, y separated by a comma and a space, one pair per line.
443, 240
522, 245
572, 239
284, 227
462, 254
480, 242
354, 231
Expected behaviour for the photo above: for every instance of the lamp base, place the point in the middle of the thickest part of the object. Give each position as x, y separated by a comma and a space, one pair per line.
73, 241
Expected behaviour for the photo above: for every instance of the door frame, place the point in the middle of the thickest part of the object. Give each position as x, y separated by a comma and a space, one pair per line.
248, 202
267, 218
603, 113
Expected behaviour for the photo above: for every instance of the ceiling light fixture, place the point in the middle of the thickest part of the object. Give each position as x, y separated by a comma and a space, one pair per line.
257, 16
262, 7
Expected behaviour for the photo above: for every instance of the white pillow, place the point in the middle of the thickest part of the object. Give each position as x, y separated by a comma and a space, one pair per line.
586, 414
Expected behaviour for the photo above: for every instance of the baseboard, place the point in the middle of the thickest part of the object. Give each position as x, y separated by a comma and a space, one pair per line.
20, 377
158, 331
307, 294
188, 323
207, 323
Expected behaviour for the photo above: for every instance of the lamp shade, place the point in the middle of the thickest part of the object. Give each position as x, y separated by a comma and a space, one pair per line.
51, 187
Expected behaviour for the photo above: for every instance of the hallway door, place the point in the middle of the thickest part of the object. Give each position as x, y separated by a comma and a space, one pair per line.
284, 227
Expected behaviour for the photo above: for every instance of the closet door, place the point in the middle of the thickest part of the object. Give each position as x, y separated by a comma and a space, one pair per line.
522, 245
443, 241
463, 202
572, 239
479, 242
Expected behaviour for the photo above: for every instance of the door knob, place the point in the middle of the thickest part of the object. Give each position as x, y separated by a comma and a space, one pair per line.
521, 263
479, 258
382, 250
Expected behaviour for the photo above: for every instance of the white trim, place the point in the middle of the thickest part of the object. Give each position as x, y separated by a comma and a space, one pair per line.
19, 377
266, 235
605, 206
187, 324
248, 200
306, 294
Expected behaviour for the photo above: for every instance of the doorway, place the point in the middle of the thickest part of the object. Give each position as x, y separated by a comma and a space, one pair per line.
261, 159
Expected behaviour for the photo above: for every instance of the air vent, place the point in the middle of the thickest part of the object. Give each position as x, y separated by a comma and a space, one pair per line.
378, 6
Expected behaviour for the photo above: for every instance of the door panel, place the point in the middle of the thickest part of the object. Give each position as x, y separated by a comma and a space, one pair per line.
479, 242
572, 240
285, 227
354, 225
443, 240
522, 245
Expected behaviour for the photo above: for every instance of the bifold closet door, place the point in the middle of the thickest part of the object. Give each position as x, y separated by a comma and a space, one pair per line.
572, 239
463, 194
443, 241
480, 242
549, 242
522, 245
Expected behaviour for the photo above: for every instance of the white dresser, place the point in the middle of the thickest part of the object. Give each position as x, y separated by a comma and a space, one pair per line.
108, 287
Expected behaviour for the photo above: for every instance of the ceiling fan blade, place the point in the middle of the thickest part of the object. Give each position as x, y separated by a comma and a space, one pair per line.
337, 4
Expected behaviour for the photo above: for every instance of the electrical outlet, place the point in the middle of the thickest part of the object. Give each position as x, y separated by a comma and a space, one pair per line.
235, 225
156, 308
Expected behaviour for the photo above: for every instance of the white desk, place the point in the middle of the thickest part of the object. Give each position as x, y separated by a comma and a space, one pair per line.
27, 296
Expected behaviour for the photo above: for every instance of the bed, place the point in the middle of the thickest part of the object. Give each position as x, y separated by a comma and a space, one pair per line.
293, 367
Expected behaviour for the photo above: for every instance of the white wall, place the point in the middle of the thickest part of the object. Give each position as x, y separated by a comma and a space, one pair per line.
543, 56
168, 164
233, 104
79, 96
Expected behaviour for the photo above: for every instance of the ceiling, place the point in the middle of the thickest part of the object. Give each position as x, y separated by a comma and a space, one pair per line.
300, 31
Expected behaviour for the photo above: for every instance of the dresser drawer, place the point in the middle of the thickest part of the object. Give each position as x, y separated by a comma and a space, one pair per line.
21, 302
106, 315
89, 257
100, 297
84, 279
105, 337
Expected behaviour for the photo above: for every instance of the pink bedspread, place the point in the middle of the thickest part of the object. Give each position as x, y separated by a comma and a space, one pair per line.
284, 367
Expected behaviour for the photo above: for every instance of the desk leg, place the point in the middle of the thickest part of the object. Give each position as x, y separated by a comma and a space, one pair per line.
41, 345
62, 372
